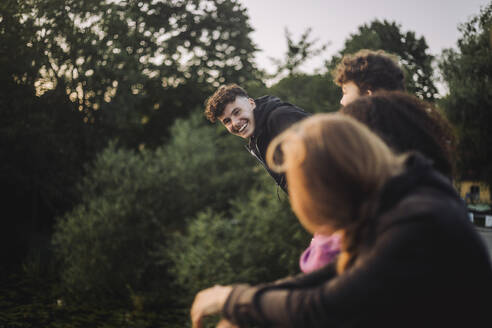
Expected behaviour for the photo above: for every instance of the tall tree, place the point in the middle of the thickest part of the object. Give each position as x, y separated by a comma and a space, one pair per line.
126, 63
297, 53
468, 73
411, 50
314, 93
76, 73
40, 160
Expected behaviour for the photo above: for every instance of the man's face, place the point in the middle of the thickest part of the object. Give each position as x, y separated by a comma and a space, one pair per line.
238, 117
350, 92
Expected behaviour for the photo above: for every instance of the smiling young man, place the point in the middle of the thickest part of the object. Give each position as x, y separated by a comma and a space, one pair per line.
257, 120
366, 72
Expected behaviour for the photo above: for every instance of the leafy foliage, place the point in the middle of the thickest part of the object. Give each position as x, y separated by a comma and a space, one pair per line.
35, 146
76, 74
36, 302
131, 67
257, 240
132, 202
314, 93
297, 53
468, 73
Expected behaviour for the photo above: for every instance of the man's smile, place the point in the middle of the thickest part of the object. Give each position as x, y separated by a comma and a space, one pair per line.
243, 127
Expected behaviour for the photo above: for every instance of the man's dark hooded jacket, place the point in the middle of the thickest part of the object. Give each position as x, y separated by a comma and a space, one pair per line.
272, 116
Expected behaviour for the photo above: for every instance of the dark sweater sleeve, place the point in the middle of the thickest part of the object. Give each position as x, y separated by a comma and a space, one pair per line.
345, 299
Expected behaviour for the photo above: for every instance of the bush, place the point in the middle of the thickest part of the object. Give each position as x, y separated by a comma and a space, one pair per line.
257, 240
133, 201
105, 241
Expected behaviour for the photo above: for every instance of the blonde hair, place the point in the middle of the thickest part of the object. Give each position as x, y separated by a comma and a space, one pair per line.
344, 166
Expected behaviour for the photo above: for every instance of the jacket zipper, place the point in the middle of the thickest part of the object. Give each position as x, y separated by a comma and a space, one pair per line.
252, 152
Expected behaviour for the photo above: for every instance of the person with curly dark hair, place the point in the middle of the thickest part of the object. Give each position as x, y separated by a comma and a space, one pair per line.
407, 123
366, 72
257, 120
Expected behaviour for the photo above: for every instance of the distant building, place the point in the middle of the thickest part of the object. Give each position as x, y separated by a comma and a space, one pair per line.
474, 192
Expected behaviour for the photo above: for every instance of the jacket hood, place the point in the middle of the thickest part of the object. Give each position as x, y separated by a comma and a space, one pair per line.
264, 106
418, 171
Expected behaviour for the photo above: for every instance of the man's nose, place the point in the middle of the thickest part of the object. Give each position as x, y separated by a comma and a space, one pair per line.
235, 121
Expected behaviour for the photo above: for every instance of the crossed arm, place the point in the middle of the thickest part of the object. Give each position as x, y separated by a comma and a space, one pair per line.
322, 298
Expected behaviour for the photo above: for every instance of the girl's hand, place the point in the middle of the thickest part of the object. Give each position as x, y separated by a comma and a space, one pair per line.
207, 302
226, 324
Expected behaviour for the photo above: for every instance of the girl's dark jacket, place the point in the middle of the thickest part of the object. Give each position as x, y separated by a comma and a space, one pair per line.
427, 267
272, 116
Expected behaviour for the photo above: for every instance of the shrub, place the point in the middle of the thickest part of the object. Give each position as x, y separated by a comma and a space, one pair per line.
133, 201
257, 240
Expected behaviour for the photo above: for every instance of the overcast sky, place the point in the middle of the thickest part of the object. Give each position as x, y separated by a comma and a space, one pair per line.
334, 20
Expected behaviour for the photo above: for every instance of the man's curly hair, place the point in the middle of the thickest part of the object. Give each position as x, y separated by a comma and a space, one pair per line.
370, 70
221, 98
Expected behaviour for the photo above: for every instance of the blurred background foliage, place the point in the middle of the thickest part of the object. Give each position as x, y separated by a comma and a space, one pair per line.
120, 200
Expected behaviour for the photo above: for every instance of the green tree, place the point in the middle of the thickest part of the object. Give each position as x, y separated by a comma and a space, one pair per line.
127, 63
76, 74
40, 166
297, 53
314, 93
43, 141
133, 201
468, 74
411, 50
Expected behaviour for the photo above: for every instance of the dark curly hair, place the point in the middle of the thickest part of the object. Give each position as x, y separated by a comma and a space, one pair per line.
370, 70
407, 123
221, 98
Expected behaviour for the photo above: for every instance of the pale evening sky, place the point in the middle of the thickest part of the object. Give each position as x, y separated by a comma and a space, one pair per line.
333, 21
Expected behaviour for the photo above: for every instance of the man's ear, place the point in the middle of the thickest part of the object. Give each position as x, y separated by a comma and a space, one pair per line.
252, 102
369, 92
